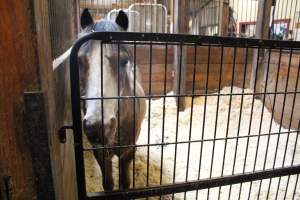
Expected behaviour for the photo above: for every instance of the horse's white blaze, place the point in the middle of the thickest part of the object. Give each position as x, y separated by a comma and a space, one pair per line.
130, 74
93, 107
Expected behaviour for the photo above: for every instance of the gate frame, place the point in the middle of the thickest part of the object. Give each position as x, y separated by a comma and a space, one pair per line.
175, 39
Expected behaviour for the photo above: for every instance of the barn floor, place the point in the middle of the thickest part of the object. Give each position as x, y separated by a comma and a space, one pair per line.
235, 149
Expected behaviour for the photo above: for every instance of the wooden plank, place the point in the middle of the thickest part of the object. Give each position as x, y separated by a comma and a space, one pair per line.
180, 53
282, 80
36, 135
58, 22
26, 65
158, 55
224, 19
18, 73
63, 19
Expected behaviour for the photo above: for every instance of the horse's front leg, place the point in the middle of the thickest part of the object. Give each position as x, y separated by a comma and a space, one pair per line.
126, 159
105, 162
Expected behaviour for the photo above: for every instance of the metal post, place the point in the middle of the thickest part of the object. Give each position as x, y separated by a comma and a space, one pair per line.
262, 32
181, 13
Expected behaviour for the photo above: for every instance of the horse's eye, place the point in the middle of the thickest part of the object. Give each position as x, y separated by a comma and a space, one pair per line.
123, 62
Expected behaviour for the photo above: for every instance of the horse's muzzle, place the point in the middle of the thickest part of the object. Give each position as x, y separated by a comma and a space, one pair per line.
95, 131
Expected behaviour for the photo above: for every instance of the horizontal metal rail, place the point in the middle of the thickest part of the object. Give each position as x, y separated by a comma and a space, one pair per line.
195, 185
188, 142
190, 95
185, 39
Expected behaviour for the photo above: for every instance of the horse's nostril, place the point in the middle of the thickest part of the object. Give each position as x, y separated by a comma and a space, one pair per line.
87, 128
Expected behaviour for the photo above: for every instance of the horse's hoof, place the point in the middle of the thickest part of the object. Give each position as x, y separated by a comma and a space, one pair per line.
108, 188
125, 185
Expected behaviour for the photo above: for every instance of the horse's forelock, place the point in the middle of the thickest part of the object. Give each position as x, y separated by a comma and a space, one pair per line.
106, 26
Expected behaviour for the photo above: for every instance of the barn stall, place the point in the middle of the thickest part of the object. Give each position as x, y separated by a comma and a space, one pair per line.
228, 123
225, 144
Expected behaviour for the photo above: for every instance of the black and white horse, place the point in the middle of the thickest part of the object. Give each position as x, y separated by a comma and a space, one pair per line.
101, 124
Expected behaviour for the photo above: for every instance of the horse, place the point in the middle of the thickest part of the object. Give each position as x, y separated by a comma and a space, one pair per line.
112, 122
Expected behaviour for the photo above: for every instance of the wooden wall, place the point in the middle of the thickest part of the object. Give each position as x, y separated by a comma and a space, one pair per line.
159, 64
18, 73
286, 83
63, 25
33, 164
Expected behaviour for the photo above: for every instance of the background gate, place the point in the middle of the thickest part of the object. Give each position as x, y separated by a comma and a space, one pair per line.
225, 143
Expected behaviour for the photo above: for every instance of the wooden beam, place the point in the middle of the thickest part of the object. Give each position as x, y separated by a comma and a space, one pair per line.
18, 73
36, 135
262, 32
26, 65
180, 26
263, 19
224, 18
52, 40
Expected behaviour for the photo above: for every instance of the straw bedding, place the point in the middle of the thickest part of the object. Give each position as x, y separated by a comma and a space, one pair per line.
207, 125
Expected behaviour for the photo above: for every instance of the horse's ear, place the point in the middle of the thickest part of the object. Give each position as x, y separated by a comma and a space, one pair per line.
86, 18
122, 20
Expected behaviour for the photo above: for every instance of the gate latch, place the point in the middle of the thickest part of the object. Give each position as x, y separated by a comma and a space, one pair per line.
62, 133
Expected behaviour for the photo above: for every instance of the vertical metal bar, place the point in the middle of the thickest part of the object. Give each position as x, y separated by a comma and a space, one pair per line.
77, 129
145, 14
237, 17
149, 113
289, 17
250, 123
98, 8
295, 19
220, 9
240, 115
151, 12
294, 153
119, 110
163, 117
191, 117
134, 113
276, 15
272, 114
218, 102
272, 22
228, 119
254, 18
285, 17
217, 112
282, 6
281, 14
204, 116
295, 188
177, 116
173, 16
194, 18
298, 21
102, 108
261, 119
281, 118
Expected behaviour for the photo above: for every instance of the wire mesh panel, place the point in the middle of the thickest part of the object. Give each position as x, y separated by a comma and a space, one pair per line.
235, 18
152, 18
228, 142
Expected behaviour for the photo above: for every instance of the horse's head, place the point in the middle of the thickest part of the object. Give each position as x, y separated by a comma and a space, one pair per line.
97, 82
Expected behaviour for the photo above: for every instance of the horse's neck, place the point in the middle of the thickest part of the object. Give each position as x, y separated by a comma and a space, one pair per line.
130, 81
128, 90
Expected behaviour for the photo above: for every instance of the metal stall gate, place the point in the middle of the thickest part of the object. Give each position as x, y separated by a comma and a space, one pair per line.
226, 144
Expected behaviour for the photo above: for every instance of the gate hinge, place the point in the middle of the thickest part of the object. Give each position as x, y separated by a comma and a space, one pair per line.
62, 133
6, 188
